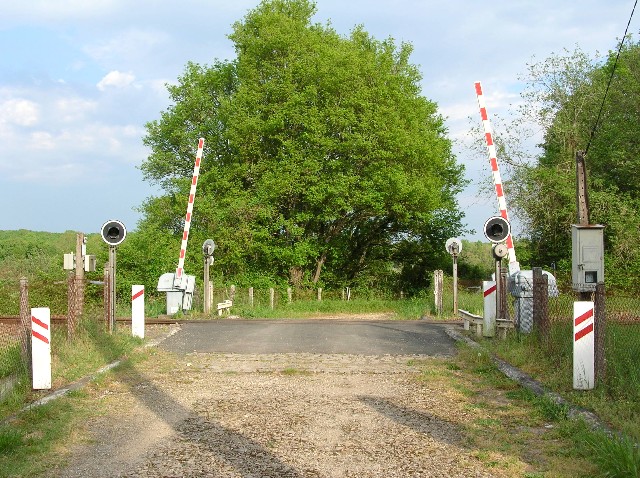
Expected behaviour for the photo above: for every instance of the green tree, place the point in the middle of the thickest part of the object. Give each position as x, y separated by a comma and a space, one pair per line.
564, 96
322, 156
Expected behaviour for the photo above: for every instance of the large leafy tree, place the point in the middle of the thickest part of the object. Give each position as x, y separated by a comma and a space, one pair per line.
323, 159
565, 97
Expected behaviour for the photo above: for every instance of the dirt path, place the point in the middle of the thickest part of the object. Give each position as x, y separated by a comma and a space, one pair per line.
283, 415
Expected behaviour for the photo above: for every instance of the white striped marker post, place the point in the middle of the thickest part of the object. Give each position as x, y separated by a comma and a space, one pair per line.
137, 311
187, 221
489, 309
41, 347
514, 266
583, 346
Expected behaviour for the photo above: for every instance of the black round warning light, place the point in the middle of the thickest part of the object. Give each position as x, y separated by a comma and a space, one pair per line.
113, 232
497, 229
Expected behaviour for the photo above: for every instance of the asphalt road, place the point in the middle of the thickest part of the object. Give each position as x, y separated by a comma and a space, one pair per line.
312, 336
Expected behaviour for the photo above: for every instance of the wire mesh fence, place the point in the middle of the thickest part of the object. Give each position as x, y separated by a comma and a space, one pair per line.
69, 315
549, 319
617, 328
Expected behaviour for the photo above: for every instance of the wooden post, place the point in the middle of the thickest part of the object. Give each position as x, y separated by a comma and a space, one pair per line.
250, 296
272, 297
80, 253
25, 322
289, 294
582, 195
232, 293
319, 293
540, 304
437, 290
71, 306
600, 322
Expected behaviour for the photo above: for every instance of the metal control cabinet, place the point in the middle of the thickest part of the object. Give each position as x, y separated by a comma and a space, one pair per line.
587, 267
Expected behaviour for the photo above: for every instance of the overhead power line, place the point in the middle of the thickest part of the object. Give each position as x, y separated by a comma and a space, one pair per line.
613, 70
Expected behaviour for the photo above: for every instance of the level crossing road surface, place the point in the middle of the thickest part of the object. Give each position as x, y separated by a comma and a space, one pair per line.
360, 337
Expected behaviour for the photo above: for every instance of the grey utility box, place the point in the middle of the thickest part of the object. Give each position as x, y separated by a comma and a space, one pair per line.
178, 298
521, 288
587, 265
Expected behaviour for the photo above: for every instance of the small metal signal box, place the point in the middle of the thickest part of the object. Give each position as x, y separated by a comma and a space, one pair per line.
587, 268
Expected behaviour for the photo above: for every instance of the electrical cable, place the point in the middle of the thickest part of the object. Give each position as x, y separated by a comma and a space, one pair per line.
615, 64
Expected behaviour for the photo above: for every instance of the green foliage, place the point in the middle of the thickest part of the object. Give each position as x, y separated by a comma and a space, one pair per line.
323, 163
617, 456
615, 400
564, 96
10, 440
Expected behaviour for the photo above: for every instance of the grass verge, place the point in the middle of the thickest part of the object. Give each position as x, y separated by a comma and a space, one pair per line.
90, 349
614, 455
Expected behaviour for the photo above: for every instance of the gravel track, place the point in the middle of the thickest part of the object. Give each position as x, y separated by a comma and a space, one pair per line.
280, 415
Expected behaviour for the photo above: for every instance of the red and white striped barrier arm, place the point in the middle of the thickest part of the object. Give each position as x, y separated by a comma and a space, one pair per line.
514, 266
187, 221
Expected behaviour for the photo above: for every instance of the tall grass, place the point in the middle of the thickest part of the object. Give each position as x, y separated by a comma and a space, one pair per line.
91, 348
405, 309
616, 399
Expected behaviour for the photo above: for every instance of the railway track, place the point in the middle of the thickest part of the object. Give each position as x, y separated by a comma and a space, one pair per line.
14, 320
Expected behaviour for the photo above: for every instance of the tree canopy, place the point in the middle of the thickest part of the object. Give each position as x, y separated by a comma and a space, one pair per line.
323, 161
565, 96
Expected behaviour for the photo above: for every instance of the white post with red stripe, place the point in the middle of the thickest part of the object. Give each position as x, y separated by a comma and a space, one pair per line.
583, 346
514, 266
137, 311
187, 222
41, 347
489, 310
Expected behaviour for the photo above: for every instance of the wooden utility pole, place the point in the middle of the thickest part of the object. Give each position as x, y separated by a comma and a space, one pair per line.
77, 291
25, 321
582, 196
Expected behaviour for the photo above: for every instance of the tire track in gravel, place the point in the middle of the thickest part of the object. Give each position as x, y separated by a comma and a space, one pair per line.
282, 415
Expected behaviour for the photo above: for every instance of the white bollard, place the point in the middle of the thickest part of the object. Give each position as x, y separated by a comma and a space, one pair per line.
137, 311
583, 346
489, 309
41, 348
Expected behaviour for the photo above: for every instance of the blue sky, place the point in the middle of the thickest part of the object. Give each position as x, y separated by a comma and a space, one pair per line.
79, 79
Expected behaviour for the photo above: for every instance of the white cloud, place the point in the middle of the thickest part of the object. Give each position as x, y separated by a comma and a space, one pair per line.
41, 140
20, 112
116, 79
48, 11
125, 47
73, 109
